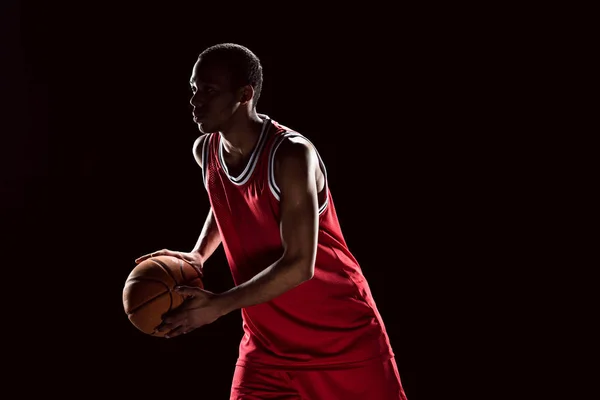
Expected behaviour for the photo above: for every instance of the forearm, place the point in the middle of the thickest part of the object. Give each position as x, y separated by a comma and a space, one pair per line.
209, 238
273, 281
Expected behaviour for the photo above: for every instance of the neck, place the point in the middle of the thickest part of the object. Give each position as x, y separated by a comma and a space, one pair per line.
241, 136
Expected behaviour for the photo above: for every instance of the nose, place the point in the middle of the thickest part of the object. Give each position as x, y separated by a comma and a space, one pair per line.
194, 100
199, 99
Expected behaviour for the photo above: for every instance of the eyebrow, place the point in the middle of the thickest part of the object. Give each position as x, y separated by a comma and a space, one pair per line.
200, 82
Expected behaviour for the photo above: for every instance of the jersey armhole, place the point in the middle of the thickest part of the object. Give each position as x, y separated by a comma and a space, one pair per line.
271, 168
204, 155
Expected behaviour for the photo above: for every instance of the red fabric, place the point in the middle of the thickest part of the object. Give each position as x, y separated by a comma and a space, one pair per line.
376, 380
325, 322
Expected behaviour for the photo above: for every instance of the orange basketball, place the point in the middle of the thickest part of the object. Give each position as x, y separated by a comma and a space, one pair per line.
148, 292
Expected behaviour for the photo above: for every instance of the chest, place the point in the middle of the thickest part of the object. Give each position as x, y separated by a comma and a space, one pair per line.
234, 165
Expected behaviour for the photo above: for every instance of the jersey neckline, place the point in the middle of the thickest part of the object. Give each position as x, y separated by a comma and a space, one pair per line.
252, 161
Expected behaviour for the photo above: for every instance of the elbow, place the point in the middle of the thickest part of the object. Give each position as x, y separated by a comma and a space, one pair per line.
303, 268
307, 269
309, 273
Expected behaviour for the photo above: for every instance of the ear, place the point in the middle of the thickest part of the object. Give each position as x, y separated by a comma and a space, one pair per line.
246, 94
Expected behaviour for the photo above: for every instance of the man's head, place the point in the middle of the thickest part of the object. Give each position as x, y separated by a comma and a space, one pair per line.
226, 79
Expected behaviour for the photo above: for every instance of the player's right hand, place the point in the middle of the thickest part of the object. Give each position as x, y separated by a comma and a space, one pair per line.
193, 258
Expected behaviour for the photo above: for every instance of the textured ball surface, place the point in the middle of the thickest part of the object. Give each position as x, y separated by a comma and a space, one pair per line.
148, 292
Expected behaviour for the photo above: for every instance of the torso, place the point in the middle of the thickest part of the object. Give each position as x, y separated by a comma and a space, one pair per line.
327, 321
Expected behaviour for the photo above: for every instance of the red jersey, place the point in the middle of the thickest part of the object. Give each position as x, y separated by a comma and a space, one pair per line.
326, 321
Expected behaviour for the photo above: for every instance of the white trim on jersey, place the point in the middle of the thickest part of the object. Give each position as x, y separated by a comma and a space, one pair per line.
271, 171
205, 147
247, 172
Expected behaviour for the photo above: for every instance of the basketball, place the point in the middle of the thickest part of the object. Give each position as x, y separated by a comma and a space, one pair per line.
148, 292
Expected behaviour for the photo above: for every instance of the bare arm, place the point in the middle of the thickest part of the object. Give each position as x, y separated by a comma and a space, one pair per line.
209, 238
295, 175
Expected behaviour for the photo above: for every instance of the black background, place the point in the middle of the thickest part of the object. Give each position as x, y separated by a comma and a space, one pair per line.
99, 170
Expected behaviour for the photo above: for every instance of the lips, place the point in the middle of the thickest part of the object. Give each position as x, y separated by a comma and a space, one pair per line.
198, 116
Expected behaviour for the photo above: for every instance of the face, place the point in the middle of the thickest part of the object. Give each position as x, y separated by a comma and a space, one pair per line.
213, 97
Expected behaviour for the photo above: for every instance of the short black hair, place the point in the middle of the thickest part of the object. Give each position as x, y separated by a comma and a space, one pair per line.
244, 66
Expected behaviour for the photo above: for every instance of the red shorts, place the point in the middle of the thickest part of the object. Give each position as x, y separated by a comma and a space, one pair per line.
375, 380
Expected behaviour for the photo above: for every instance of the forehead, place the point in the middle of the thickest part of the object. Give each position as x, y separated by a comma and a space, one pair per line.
212, 72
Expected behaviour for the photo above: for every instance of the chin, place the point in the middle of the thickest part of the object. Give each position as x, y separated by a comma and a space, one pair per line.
206, 128
202, 127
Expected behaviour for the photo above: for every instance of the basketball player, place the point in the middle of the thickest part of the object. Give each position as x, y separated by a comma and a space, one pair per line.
311, 327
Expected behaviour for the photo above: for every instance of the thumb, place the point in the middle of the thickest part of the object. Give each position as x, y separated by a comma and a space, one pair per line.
187, 290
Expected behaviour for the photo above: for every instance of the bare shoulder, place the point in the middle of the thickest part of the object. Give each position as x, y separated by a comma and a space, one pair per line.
294, 150
294, 156
197, 148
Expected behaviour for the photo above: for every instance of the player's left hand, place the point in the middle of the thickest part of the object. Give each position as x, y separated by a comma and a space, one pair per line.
199, 308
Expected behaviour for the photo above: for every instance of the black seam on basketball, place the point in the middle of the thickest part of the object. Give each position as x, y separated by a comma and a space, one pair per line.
144, 278
181, 261
133, 310
163, 266
181, 268
197, 271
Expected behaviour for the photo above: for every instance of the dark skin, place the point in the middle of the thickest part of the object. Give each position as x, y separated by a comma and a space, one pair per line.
218, 106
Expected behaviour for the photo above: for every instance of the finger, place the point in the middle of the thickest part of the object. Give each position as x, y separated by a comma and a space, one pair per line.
167, 326
142, 258
190, 260
181, 255
187, 290
162, 328
174, 318
162, 252
146, 256
180, 330
166, 252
